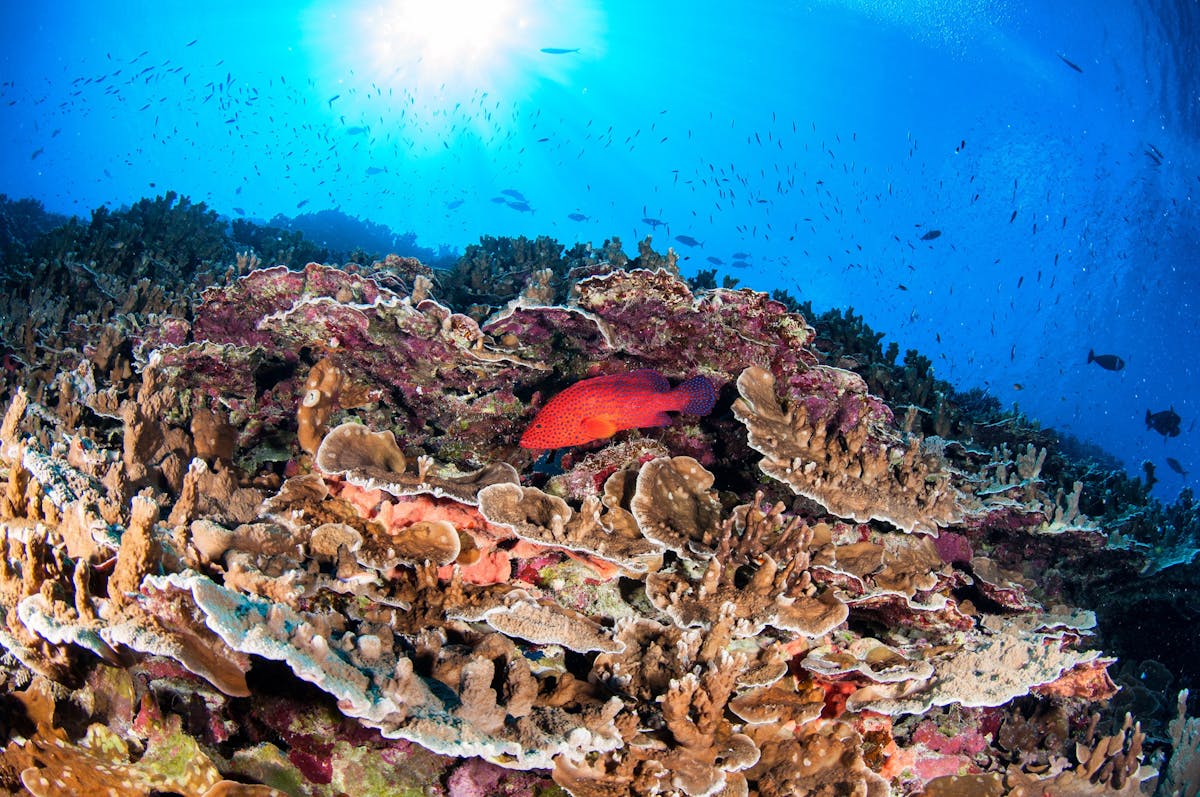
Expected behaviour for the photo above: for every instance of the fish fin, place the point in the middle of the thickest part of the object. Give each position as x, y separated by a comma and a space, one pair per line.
1091, 355
660, 419
641, 379
698, 395
600, 428
644, 378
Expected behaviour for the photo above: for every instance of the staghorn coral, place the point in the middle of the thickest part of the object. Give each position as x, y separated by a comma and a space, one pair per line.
496, 270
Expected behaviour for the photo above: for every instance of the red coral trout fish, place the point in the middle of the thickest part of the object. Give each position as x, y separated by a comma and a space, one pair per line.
598, 408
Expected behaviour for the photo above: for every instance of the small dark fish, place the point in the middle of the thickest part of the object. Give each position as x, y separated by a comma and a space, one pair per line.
355, 131
1013, 216
902, 286
1174, 465
37, 152
193, 41
929, 236
1165, 422
499, 200
1109, 362
515, 194
520, 207
739, 264
741, 255
375, 170
716, 261
301, 203
688, 240
1068, 63
559, 50
331, 99
550, 462
577, 217
239, 211
454, 203
656, 223
1018, 386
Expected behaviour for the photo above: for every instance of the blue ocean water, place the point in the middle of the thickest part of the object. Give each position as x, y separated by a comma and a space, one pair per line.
812, 146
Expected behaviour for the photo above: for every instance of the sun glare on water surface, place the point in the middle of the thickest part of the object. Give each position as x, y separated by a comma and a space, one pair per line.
442, 65
449, 41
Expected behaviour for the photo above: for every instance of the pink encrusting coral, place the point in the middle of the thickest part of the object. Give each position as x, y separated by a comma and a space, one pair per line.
309, 547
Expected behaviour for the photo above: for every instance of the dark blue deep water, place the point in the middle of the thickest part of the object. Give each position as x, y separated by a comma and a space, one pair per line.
813, 146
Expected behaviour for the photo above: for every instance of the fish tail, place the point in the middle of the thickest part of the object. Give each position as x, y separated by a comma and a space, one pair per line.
1091, 355
699, 395
1149, 423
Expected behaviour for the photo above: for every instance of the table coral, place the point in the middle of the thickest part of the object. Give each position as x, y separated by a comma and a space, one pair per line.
548, 520
851, 470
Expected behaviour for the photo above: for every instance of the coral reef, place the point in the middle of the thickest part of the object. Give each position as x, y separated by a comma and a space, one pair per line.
288, 533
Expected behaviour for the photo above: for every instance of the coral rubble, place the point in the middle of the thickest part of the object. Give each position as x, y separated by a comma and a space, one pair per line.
295, 523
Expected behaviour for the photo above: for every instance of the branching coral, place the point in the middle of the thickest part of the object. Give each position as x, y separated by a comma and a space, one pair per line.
853, 472
683, 682
655, 616
816, 761
772, 596
1183, 770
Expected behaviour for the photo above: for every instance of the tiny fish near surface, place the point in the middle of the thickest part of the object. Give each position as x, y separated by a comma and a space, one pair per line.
594, 409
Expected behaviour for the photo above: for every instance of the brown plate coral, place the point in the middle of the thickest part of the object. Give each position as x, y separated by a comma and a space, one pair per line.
297, 543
